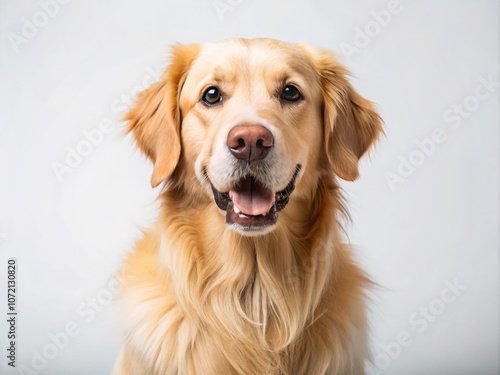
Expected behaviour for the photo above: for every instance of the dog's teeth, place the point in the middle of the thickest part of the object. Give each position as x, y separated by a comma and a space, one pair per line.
236, 209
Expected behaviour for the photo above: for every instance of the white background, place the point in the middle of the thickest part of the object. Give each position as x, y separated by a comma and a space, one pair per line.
437, 226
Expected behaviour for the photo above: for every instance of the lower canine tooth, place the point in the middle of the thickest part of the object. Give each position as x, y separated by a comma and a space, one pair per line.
236, 209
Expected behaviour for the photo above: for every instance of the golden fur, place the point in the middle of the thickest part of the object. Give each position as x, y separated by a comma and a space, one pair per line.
201, 297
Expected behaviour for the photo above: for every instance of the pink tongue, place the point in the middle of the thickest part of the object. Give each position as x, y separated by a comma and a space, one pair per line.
252, 198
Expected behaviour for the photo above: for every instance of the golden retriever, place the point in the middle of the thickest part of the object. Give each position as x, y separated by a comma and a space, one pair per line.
245, 271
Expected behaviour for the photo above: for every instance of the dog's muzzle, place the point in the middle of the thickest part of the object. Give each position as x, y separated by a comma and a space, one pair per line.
250, 206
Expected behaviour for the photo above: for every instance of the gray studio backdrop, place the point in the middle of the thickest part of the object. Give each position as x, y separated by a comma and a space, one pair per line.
74, 194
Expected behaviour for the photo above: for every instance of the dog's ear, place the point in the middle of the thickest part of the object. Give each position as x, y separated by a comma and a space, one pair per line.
155, 118
351, 122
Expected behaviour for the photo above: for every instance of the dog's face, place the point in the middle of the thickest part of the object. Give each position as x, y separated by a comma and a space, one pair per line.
254, 121
251, 125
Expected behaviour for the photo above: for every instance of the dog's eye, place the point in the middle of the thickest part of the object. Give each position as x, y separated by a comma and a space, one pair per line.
212, 96
291, 93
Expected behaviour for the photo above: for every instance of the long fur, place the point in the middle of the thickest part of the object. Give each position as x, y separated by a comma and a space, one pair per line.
202, 299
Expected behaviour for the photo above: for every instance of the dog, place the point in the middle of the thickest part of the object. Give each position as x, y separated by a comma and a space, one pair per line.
246, 270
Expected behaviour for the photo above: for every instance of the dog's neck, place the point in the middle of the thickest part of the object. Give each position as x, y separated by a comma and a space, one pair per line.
271, 285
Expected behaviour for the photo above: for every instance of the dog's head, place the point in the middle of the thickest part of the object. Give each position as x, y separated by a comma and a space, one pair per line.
251, 125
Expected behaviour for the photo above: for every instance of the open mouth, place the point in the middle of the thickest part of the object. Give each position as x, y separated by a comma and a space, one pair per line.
250, 205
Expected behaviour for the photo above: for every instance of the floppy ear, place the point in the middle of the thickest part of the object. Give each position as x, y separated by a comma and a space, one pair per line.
154, 119
351, 122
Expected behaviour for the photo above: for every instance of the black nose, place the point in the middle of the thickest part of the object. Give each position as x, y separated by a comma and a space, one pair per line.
250, 142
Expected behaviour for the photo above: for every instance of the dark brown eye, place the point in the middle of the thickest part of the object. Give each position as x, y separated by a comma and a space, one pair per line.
291, 94
212, 96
